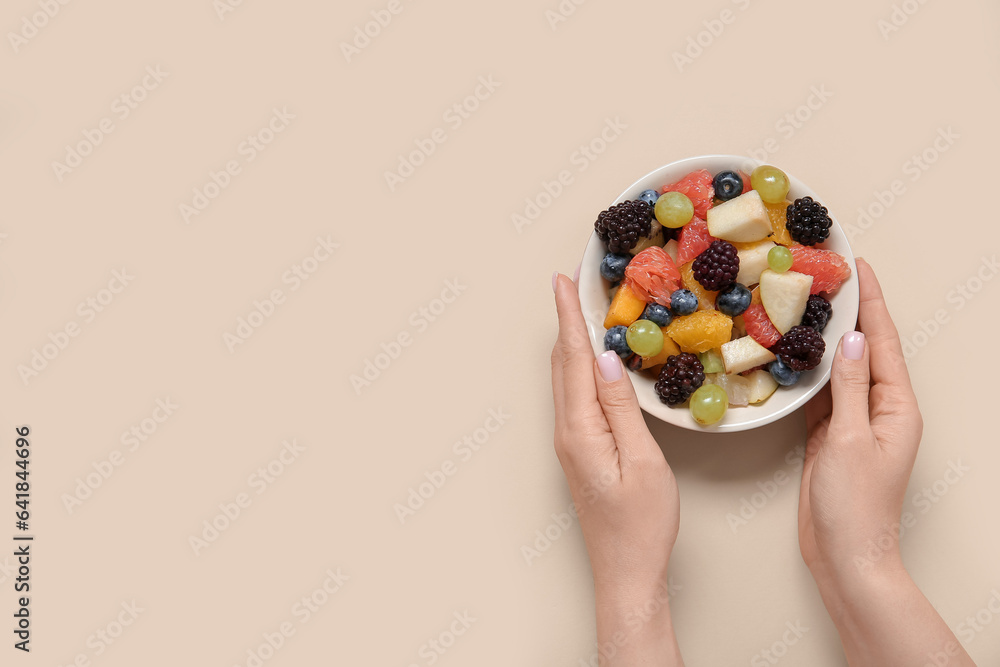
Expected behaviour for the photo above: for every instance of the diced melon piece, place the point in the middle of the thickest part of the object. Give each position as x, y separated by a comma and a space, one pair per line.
742, 220
625, 309
753, 261
743, 354
785, 296
762, 385
669, 349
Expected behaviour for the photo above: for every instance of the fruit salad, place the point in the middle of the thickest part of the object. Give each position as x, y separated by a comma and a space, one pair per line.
720, 287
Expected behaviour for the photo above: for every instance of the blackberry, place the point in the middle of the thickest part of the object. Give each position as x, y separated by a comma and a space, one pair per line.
679, 378
622, 225
671, 234
717, 267
801, 349
818, 312
808, 221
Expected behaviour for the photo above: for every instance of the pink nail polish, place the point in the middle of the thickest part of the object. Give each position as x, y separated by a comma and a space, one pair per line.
610, 365
555, 276
576, 274
854, 345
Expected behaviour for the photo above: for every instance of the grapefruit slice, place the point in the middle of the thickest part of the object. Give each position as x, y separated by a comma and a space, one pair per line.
653, 276
828, 269
759, 327
698, 187
694, 239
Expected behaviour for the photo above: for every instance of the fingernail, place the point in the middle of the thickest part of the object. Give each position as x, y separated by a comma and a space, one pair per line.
610, 365
854, 345
555, 275
576, 274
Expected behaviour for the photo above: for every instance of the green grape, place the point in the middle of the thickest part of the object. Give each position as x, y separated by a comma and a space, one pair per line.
709, 404
771, 183
711, 361
780, 258
674, 210
645, 338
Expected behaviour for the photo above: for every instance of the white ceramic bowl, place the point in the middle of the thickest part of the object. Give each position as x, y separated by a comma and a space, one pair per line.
595, 300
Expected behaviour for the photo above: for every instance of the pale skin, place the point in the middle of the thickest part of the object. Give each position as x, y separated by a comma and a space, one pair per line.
863, 433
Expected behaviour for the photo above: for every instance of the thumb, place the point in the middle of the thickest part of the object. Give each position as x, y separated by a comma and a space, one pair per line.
620, 405
849, 383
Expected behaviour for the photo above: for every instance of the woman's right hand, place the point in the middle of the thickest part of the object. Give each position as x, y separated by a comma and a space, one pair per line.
863, 434
864, 431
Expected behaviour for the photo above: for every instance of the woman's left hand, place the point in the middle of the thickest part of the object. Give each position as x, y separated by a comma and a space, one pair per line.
624, 492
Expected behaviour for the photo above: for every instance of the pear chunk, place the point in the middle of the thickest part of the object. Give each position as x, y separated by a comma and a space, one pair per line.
753, 261
762, 385
743, 354
740, 220
784, 296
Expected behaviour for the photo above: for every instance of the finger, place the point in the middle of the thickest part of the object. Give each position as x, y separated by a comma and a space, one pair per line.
850, 384
621, 408
575, 355
818, 408
888, 365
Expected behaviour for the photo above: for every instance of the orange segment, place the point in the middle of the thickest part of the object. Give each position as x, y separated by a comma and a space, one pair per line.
625, 309
706, 299
779, 232
669, 349
701, 331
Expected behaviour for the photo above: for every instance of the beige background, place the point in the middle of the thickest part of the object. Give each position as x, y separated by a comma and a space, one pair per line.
333, 506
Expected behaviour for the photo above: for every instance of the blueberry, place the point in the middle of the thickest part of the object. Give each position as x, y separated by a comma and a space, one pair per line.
782, 374
733, 300
657, 314
613, 266
683, 302
728, 185
614, 340
650, 197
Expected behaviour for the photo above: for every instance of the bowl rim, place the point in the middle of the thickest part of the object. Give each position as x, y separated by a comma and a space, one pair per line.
847, 300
